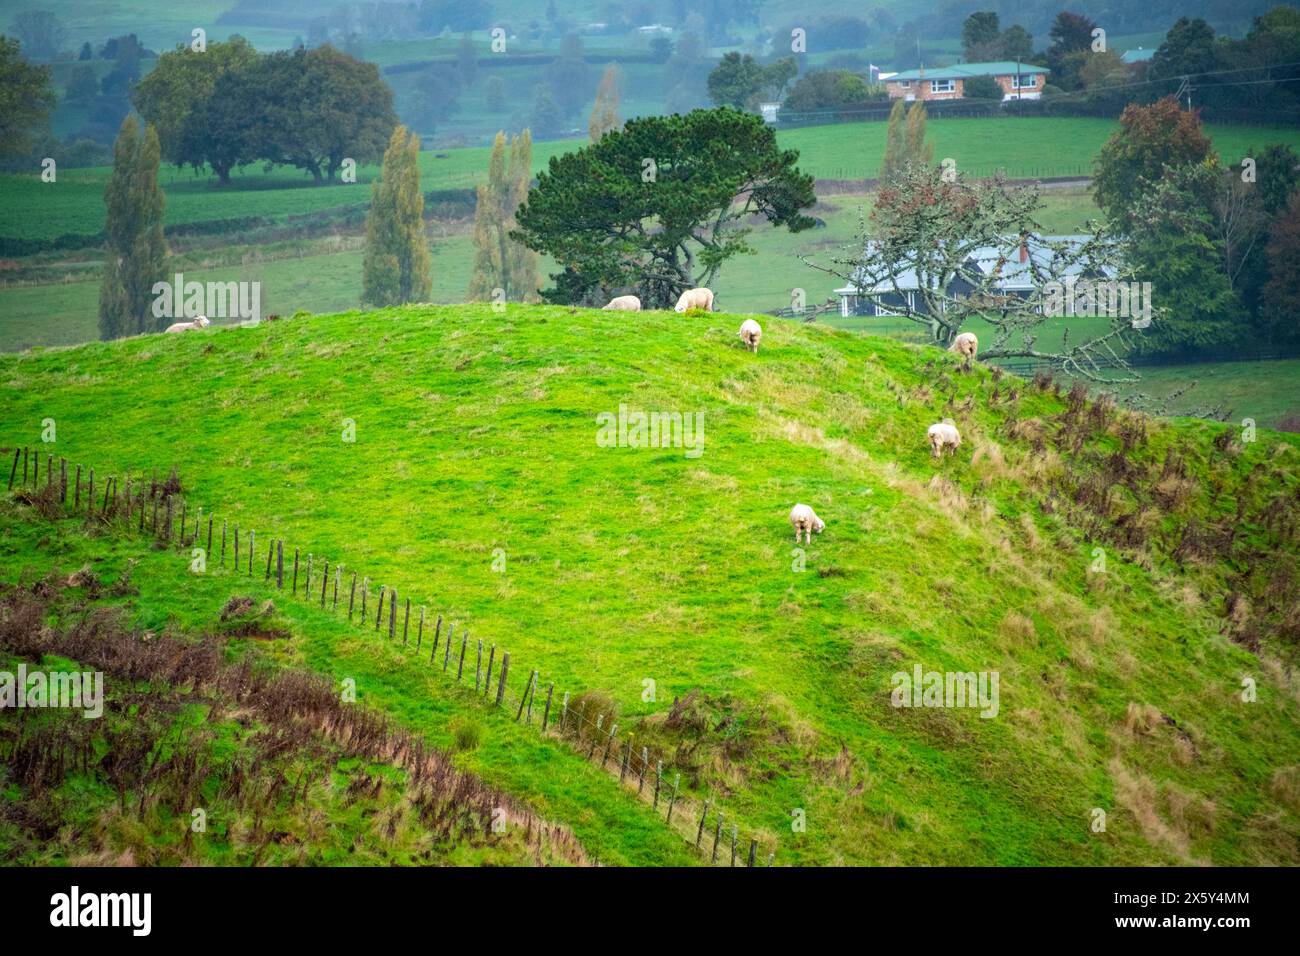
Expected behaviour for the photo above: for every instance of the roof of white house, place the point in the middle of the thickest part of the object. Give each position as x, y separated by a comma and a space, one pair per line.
1014, 275
1137, 56
963, 71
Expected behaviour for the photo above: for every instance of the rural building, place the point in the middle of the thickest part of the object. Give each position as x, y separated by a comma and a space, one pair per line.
1018, 81
1137, 55
1015, 263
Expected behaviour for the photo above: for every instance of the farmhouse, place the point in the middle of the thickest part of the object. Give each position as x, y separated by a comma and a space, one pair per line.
1018, 81
1015, 272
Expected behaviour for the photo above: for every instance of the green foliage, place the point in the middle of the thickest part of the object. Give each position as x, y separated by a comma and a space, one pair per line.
735, 81
981, 88
589, 210
823, 90
26, 100
396, 266
135, 251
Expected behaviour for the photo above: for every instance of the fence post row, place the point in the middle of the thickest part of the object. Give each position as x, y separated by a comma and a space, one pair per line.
482, 679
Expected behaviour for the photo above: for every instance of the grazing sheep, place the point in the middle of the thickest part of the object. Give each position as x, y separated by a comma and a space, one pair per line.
805, 522
965, 345
625, 303
695, 299
751, 333
943, 435
199, 322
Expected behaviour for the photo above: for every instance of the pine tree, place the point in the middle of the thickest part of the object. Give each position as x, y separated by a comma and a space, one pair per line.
136, 252
499, 261
604, 114
396, 265
895, 147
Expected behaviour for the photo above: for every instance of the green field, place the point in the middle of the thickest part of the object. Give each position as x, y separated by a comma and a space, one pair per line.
476, 439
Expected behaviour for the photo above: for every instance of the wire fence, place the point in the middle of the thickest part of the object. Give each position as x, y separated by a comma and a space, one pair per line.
157, 509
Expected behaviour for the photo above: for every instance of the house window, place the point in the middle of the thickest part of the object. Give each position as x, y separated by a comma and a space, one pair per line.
943, 86
1024, 81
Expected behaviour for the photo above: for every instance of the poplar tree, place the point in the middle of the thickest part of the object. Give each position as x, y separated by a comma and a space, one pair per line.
604, 114
918, 151
136, 252
894, 161
396, 265
499, 261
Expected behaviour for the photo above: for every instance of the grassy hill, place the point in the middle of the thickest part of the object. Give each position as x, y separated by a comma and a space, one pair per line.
476, 438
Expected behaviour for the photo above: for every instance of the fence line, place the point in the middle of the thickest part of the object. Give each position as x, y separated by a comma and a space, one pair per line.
153, 505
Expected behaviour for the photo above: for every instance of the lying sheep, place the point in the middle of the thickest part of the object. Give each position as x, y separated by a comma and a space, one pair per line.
943, 435
751, 333
965, 345
805, 522
199, 322
625, 303
695, 299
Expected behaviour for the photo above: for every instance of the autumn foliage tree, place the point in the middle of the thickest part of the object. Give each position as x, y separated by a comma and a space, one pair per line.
500, 262
604, 113
1149, 138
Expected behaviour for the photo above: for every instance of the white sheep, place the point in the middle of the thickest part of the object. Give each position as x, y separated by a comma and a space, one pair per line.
943, 435
805, 522
695, 299
751, 333
625, 303
965, 345
199, 322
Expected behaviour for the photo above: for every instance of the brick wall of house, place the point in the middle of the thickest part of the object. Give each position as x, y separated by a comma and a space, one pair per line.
920, 89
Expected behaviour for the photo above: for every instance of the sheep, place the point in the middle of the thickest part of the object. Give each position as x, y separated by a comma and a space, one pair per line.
805, 522
199, 322
751, 333
625, 303
943, 435
695, 299
965, 345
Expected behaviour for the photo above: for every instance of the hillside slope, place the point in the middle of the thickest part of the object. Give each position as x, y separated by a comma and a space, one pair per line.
476, 444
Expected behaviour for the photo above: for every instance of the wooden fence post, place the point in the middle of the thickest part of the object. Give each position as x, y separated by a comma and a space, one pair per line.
392, 614
324, 584
600, 723
700, 831
109, 486
63, 481
487, 680
406, 623
546, 714
753, 848
14, 470
379, 611
532, 695
252, 550
460, 666
36, 467
437, 633
419, 633
167, 530
478, 666
717, 835
627, 757
659, 776
306, 586
128, 514
182, 521
338, 579
446, 651
279, 564
236, 547
270, 553
645, 759
505, 669
24, 464
672, 799
295, 572
365, 592
609, 744
564, 711
734, 833
352, 595
223, 537
76, 494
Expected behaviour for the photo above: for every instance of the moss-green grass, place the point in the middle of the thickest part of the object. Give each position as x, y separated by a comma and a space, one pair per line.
477, 431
